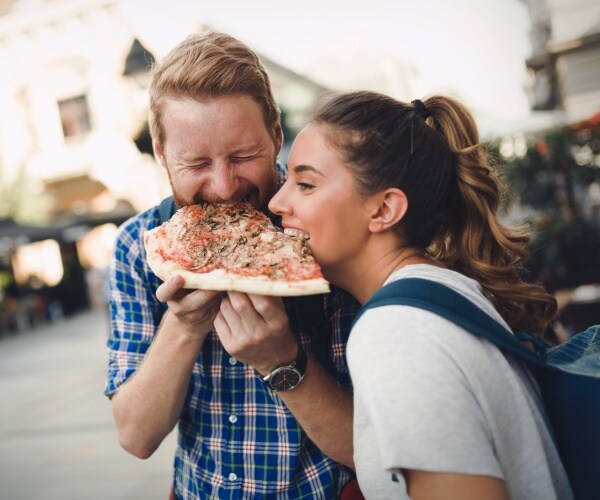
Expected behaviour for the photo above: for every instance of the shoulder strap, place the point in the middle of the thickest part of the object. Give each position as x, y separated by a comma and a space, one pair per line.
441, 300
166, 209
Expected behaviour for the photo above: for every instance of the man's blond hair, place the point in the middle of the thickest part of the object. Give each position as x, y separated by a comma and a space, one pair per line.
210, 65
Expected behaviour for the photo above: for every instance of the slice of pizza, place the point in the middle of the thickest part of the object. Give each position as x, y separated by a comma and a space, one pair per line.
233, 247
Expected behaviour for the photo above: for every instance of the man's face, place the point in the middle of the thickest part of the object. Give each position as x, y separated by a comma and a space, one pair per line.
218, 150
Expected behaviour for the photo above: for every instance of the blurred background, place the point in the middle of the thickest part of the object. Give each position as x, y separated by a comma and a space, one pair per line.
76, 157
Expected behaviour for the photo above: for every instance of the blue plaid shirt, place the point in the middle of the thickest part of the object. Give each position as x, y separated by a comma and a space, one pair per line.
237, 440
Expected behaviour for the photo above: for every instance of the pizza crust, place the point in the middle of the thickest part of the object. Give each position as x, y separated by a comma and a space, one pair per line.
223, 281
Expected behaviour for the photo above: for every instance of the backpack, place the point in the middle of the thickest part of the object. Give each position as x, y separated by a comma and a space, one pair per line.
568, 374
166, 209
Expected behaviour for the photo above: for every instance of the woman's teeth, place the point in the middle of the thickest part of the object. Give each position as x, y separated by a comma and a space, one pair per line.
296, 233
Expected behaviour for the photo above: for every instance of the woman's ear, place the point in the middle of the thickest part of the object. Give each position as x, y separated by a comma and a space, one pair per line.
389, 208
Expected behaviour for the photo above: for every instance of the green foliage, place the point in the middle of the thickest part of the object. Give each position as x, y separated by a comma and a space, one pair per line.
19, 201
555, 188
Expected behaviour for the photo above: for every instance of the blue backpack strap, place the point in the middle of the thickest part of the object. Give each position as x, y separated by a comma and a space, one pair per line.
441, 300
569, 374
167, 209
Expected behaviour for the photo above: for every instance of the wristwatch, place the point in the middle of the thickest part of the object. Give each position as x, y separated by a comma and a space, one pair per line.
287, 377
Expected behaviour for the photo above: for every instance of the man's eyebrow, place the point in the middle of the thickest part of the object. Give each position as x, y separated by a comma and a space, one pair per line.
249, 149
306, 168
192, 158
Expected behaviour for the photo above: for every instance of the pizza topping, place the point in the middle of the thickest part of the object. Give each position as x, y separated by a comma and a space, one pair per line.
238, 240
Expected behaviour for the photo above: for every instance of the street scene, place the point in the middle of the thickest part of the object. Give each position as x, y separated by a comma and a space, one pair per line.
57, 438
473, 145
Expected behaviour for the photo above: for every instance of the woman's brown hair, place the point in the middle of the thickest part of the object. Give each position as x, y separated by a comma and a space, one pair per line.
431, 151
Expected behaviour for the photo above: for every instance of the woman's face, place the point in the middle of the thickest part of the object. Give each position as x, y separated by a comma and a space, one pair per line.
320, 198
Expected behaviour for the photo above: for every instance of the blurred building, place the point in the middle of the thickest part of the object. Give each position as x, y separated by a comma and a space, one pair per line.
74, 105
73, 128
378, 71
556, 168
565, 58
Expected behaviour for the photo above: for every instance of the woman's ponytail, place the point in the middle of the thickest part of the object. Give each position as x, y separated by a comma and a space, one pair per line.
431, 151
475, 243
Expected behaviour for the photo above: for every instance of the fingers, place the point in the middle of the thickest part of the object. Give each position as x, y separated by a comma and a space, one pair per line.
197, 306
195, 309
257, 307
169, 288
221, 325
254, 329
180, 298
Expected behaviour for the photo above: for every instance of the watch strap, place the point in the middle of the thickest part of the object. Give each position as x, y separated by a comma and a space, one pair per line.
298, 365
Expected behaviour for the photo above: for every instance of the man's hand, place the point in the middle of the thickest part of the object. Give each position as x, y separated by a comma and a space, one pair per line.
254, 329
195, 310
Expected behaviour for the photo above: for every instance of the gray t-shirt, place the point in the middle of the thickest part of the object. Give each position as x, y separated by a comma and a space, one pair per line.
430, 396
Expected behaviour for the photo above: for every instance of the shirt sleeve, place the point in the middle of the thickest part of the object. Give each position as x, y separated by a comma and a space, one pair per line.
417, 387
135, 311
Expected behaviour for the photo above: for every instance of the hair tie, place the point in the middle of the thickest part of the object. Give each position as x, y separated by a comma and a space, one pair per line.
420, 107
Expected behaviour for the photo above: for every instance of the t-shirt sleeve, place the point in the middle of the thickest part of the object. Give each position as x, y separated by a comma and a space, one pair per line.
416, 385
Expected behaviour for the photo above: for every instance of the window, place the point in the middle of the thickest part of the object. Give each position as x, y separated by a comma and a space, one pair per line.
74, 116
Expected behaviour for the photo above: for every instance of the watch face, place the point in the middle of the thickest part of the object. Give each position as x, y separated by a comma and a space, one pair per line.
285, 378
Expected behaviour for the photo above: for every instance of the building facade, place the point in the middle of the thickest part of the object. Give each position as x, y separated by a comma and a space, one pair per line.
73, 112
565, 59
74, 139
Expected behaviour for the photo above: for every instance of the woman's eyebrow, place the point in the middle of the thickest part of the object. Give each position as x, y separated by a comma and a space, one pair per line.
306, 168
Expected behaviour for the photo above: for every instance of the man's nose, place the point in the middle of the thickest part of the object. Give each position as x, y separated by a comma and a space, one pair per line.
224, 182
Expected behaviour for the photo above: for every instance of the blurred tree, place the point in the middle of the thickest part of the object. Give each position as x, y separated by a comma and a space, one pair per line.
553, 187
20, 201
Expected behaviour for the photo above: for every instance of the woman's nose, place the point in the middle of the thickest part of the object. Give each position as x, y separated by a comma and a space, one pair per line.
276, 205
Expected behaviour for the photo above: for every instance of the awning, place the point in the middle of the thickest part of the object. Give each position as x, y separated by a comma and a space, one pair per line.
13, 230
591, 123
64, 228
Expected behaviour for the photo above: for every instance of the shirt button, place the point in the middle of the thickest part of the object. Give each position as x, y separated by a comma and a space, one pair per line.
232, 477
232, 361
232, 419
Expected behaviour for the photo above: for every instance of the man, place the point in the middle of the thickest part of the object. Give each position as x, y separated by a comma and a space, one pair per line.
202, 359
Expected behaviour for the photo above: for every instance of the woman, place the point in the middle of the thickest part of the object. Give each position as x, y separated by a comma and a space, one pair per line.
388, 191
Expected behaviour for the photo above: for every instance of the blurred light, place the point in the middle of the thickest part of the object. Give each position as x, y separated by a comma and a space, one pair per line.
507, 149
95, 248
583, 155
38, 261
520, 145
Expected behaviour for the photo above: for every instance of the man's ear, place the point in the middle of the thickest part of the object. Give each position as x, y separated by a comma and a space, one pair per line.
278, 137
389, 207
159, 153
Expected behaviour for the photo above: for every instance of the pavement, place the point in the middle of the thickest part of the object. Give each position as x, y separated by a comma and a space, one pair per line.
57, 437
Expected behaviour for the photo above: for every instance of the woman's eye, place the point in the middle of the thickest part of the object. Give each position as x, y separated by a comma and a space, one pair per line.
305, 186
